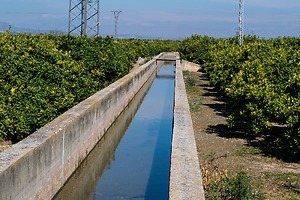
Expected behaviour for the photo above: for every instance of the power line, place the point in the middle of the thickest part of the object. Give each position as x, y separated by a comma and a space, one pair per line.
116, 14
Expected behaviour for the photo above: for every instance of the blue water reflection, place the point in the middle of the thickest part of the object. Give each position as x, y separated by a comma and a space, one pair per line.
140, 166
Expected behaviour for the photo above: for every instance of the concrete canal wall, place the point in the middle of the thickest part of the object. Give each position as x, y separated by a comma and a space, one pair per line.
38, 166
185, 174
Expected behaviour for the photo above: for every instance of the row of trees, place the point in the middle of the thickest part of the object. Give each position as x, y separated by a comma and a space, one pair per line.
261, 80
43, 76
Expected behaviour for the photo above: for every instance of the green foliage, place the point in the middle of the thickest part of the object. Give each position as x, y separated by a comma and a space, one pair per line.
43, 76
191, 82
232, 187
248, 150
191, 87
195, 49
287, 182
261, 79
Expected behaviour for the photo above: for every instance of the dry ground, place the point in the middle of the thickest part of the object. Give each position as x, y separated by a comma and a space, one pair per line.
221, 150
4, 145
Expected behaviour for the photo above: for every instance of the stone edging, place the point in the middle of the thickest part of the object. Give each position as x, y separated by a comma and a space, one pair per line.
185, 175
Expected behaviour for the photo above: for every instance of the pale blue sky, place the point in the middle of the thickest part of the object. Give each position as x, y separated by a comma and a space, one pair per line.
173, 19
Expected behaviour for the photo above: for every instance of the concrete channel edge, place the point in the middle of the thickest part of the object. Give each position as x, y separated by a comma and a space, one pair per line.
185, 174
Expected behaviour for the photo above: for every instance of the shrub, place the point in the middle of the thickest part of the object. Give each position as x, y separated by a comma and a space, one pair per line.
232, 187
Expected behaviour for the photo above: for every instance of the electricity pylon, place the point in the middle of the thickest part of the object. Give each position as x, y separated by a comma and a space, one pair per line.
116, 14
241, 22
84, 17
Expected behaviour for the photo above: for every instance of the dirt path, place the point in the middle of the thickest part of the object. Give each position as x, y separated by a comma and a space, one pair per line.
223, 150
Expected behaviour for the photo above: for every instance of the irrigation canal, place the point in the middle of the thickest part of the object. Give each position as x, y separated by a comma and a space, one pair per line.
132, 161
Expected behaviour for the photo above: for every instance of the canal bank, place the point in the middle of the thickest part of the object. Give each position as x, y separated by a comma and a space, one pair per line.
185, 174
37, 167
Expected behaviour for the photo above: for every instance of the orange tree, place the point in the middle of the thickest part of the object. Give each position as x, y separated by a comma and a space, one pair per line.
43, 76
260, 79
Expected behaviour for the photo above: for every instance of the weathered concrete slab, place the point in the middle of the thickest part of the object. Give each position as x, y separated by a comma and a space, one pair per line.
185, 175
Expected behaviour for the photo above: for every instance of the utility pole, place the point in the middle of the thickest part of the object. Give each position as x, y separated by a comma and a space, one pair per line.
116, 14
84, 17
241, 22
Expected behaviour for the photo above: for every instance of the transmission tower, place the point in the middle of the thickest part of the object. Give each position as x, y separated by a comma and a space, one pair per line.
116, 14
84, 17
241, 22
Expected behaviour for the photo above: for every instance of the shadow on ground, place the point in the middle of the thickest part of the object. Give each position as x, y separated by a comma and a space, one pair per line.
266, 142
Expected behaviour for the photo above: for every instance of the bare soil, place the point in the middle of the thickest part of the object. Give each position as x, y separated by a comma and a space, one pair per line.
4, 145
223, 151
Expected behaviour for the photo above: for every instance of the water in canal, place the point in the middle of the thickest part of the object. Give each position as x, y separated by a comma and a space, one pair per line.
133, 160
